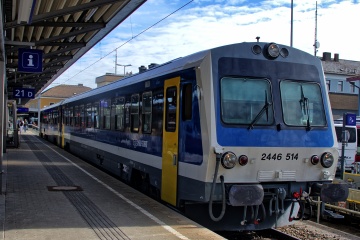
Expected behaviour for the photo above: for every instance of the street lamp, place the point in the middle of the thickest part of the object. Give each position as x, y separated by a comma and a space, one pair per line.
127, 65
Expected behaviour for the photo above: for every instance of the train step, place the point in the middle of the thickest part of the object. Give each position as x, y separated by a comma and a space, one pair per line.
328, 214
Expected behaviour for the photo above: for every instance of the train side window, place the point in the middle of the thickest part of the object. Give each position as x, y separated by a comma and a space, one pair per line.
157, 111
64, 112
76, 116
56, 116
88, 115
66, 116
71, 116
187, 102
146, 112
134, 112
171, 107
96, 114
118, 110
105, 113
81, 117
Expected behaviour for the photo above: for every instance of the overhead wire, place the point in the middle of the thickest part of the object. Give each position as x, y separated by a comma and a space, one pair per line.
132, 38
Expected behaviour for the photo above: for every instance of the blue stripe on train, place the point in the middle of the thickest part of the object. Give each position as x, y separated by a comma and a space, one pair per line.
274, 138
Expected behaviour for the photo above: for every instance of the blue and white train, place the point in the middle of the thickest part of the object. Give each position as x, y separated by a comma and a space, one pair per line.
238, 137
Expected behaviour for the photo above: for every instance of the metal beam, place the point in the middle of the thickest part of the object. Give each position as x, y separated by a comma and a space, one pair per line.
70, 34
61, 12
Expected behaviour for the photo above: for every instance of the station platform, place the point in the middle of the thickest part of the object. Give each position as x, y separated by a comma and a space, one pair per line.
50, 194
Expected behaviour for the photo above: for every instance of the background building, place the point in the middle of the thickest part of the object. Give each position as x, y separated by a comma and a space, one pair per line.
343, 95
49, 97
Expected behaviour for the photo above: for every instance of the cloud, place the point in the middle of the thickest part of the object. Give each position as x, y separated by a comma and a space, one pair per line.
204, 24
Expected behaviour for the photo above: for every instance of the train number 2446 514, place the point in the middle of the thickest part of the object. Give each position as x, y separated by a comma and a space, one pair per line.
279, 156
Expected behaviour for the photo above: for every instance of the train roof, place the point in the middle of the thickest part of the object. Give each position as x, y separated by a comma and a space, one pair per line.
160, 70
178, 64
52, 106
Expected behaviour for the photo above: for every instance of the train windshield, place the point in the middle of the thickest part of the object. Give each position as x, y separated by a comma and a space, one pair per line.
243, 101
302, 104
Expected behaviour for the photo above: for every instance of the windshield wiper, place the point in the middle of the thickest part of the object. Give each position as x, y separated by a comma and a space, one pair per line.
304, 105
265, 108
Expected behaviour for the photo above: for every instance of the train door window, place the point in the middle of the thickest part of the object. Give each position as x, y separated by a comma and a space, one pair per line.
105, 110
134, 112
88, 112
76, 116
187, 102
146, 112
82, 116
119, 112
171, 107
96, 115
302, 104
246, 101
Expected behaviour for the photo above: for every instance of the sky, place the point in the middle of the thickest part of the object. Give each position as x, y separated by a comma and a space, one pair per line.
162, 30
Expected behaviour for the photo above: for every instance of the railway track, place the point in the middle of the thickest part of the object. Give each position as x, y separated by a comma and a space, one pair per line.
272, 234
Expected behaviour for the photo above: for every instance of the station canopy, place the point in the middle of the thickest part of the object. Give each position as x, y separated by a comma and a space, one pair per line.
62, 30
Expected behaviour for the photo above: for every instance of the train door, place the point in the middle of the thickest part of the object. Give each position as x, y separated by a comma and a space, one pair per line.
170, 141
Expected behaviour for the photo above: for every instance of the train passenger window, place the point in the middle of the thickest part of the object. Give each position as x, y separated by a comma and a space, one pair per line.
96, 115
246, 101
64, 116
134, 112
55, 116
157, 111
88, 113
171, 108
82, 116
71, 116
302, 103
76, 116
105, 111
118, 110
187, 102
146, 112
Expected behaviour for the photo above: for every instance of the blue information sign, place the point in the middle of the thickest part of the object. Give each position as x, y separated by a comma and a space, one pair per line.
30, 60
24, 93
22, 110
351, 119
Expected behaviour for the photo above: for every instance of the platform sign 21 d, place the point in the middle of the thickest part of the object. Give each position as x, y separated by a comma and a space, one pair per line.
24, 93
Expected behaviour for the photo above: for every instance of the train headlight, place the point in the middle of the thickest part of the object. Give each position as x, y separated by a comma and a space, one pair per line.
273, 50
228, 160
243, 160
327, 160
315, 159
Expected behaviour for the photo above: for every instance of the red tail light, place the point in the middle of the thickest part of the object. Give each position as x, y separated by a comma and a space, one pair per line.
243, 160
315, 159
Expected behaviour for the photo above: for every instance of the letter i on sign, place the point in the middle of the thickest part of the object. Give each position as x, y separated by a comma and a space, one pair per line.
30, 59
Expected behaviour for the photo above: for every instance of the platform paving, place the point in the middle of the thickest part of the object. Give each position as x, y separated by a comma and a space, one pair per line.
49, 194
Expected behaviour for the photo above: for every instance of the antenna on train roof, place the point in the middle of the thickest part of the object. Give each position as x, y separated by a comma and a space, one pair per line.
257, 38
